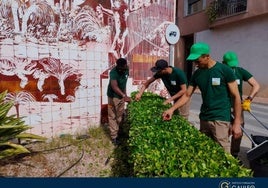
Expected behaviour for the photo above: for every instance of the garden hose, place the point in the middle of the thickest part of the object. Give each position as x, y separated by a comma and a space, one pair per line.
71, 166
49, 150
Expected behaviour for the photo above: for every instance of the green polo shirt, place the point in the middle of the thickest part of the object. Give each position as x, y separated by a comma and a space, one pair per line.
173, 81
241, 75
121, 81
213, 84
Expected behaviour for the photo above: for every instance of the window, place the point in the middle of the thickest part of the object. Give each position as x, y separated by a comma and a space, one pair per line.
194, 6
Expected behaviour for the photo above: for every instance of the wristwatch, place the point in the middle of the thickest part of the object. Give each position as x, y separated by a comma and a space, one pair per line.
249, 98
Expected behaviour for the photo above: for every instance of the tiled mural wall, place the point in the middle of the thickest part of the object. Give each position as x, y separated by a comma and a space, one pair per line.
55, 55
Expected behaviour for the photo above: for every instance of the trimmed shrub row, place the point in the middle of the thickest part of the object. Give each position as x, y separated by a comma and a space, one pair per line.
173, 148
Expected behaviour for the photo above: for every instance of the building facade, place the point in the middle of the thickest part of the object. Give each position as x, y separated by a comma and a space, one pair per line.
237, 25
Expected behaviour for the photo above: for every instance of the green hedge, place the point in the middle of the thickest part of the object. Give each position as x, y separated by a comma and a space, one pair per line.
173, 148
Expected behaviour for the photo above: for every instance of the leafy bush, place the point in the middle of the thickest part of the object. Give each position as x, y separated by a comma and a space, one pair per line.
212, 12
174, 148
12, 128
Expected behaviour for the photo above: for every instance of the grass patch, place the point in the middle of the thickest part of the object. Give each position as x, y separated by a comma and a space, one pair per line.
64, 156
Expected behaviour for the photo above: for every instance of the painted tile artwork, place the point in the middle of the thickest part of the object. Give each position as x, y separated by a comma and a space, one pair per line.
55, 55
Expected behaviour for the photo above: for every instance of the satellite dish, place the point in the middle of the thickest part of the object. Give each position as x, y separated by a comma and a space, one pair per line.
172, 34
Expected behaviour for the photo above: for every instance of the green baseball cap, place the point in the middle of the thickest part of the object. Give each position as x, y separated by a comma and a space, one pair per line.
230, 59
197, 50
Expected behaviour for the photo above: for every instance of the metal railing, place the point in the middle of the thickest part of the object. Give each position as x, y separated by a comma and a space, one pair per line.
225, 8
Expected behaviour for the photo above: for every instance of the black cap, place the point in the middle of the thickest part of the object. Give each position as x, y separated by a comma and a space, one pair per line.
159, 65
121, 62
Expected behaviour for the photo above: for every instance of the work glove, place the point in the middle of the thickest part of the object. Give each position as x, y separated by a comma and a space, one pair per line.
246, 105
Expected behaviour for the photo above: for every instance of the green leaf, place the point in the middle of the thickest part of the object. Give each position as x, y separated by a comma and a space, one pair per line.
30, 136
12, 127
9, 149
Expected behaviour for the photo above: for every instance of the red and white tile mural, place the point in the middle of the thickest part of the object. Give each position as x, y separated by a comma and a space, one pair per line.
55, 55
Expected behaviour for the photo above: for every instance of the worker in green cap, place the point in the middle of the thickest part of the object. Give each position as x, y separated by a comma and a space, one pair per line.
230, 58
216, 82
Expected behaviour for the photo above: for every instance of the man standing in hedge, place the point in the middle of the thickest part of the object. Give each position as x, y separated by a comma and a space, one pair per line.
216, 82
230, 58
117, 97
174, 80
